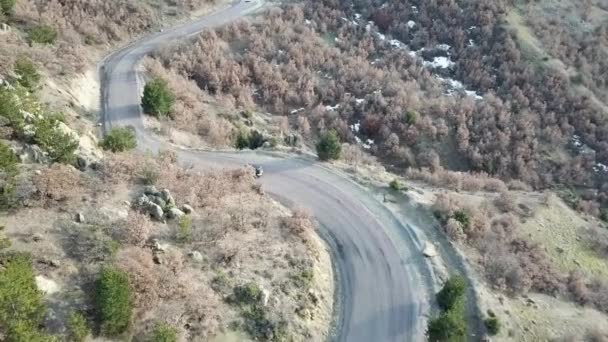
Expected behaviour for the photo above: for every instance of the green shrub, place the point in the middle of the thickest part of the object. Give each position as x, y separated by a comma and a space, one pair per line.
113, 301
184, 229
158, 99
604, 215
493, 325
396, 185
448, 326
329, 147
43, 34
149, 174
164, 333
21, 306
304, 278
6, 7
410, 117
8, 160
10, 106
250, 140
242, 140
463, 217
27, 72
78, 328
451, 293
249, 293
119, 139
59, 145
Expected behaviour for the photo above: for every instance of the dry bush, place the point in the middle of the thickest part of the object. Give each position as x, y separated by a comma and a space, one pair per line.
136, 229
60, 183
505, 202
299, 223
142, 271
458, 181
454, 230
597, 239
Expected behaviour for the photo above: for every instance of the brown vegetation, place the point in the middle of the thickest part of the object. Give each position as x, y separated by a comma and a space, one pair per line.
321, 55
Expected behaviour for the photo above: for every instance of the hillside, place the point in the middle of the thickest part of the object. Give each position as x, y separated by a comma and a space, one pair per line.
102, 241
468, 98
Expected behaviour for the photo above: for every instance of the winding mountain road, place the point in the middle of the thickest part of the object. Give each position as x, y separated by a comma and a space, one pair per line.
383, 280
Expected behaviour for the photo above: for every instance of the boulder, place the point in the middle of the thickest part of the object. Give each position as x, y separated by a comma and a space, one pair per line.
429, 250
186, 208
265, 296
142, 201
155, 211
46, 285
79, 218
174, 213
151, 190
4, 28
157, 200
81, 163
33, 154
196, 256
165, 194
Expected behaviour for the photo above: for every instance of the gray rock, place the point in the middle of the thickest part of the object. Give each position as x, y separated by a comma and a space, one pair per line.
265, 296
33, 154
142, 201
157, 200
151, 190
174, 213
186, 208
80, 218
429, 250
165, 194
81, 163
196, 256
155, 211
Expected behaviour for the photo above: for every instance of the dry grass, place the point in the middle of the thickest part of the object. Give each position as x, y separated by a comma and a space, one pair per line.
563, 233
241, 235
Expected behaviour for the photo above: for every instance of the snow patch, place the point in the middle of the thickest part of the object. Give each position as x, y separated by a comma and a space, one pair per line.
331, 109
439, 62
473, 94
297, 110
357, 16
307, 22
396, 43
381, 36
355, 127
359, 101
411, 23
599, 167
443, 47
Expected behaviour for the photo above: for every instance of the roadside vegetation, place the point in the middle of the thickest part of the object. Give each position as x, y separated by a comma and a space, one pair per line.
158, 99
119, 139
450, 325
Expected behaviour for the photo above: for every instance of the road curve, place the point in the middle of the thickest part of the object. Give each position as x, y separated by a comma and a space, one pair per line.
383, 281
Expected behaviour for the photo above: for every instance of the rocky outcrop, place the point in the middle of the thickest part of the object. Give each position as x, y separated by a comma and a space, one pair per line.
160, 204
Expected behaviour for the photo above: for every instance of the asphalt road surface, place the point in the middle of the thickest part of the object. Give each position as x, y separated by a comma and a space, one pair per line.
382, 280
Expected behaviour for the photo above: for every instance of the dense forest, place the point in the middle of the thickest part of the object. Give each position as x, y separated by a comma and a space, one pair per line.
420, 84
